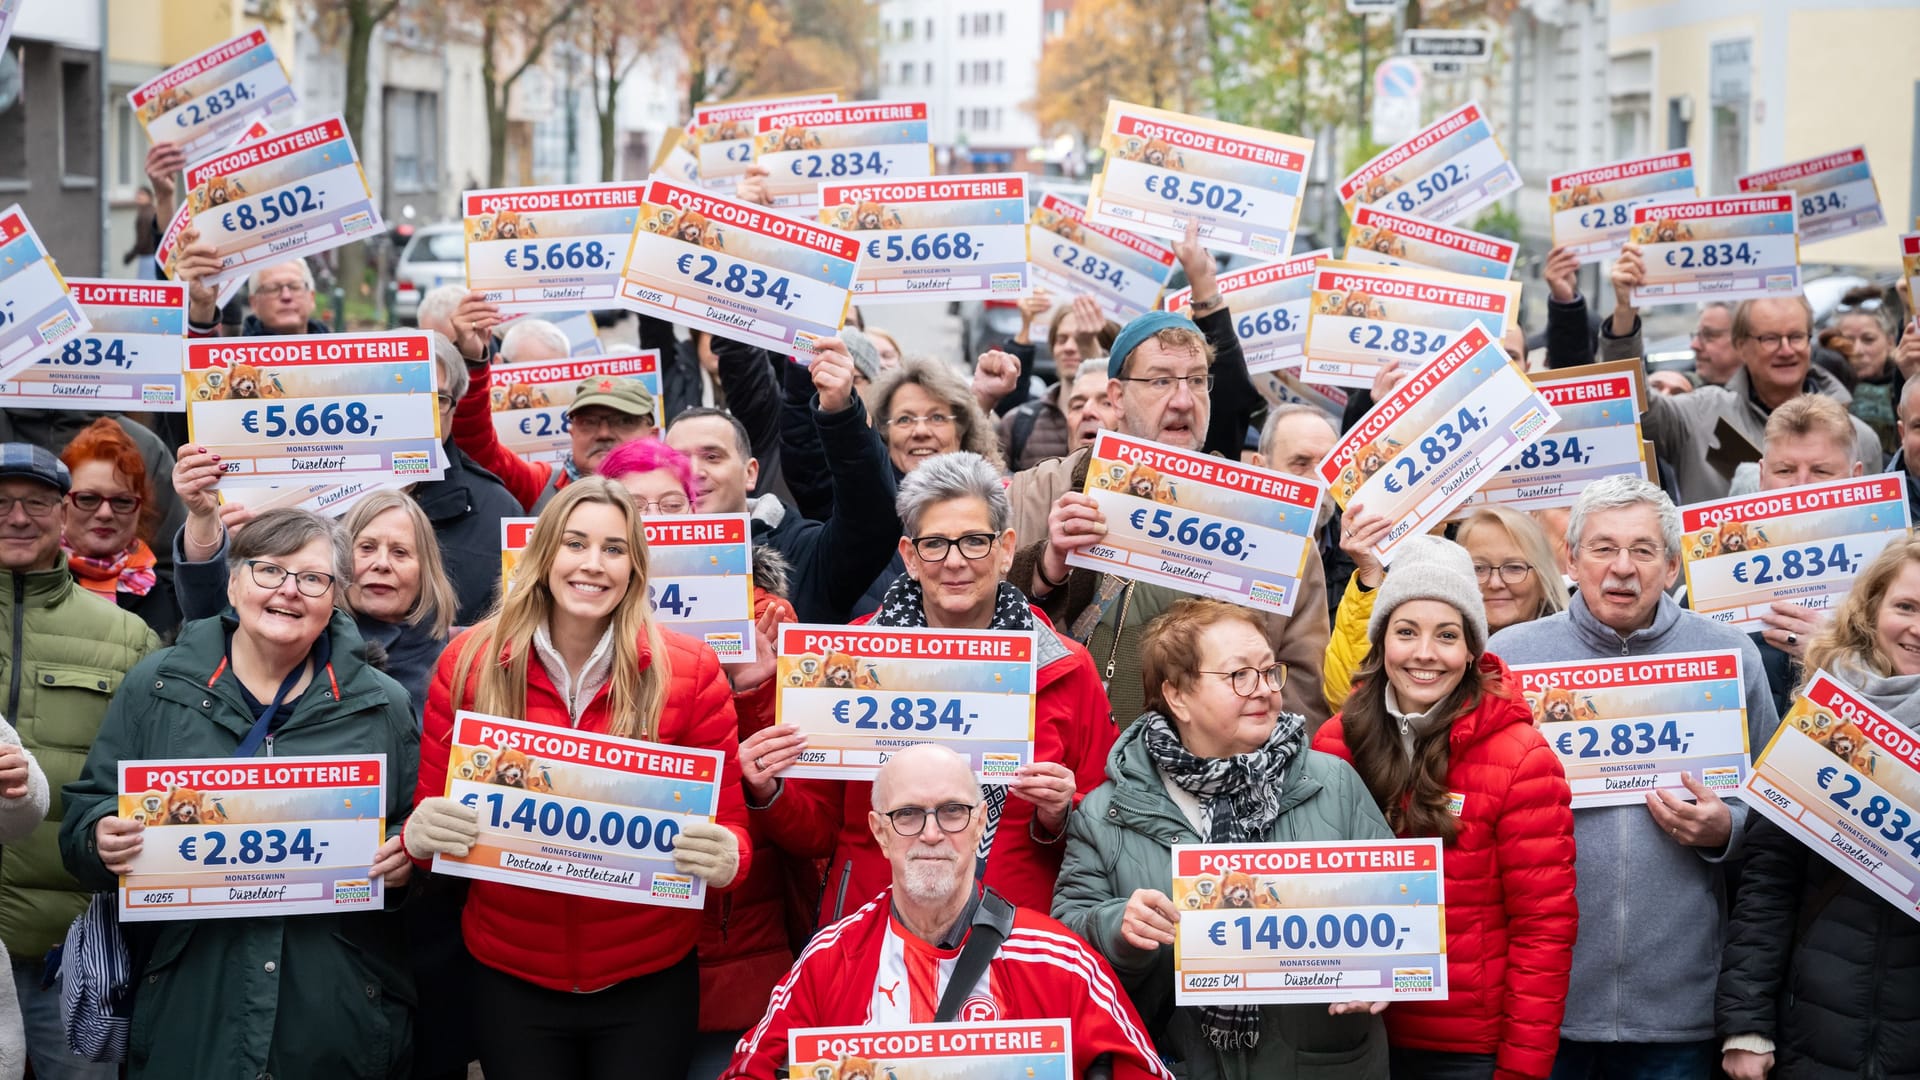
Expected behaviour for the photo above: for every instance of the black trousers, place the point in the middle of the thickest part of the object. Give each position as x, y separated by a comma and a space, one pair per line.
1439, 1065
528, 1032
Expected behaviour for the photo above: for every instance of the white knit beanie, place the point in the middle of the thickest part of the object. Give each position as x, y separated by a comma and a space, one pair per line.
1429, 568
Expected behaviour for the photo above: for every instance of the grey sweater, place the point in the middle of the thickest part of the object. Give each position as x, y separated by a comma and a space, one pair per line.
1653, 914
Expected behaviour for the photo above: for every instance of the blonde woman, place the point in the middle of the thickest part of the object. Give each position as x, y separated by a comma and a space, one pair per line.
567, 985
1513, 561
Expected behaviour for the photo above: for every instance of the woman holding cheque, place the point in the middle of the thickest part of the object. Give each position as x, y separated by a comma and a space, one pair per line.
1821, 977
957, 549
569, 985
1212, 760
1448, 751
319, 995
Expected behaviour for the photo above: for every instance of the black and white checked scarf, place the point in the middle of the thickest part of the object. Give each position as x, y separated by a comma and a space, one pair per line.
905, 605
1240, 799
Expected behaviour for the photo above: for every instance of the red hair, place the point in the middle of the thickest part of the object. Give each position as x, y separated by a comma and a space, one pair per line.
105, 440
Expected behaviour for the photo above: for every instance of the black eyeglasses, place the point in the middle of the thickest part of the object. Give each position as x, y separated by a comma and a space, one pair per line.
952, 817
89, 501
935, 548
270, 576
1246, 681
1512, 573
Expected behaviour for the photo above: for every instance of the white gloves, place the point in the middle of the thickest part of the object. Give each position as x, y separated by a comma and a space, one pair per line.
710, 852
440, 826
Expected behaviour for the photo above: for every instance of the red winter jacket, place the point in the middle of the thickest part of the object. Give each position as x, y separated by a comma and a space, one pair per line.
473, 433
1511, 916
748, 939
1073, 725
566, 942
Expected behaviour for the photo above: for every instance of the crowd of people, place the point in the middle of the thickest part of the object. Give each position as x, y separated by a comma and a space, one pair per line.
147, 618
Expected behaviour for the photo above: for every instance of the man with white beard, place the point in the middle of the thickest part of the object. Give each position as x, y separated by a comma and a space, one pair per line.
891, 963
1651, 892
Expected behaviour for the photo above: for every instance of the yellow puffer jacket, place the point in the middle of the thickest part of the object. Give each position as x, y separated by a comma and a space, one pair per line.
1347, 644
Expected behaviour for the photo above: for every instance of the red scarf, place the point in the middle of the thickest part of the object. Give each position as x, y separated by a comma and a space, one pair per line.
131, 571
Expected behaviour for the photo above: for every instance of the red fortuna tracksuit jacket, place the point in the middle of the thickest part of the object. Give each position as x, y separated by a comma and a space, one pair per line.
868, 970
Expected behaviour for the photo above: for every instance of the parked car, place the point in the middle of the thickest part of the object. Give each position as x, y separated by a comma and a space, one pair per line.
436, 256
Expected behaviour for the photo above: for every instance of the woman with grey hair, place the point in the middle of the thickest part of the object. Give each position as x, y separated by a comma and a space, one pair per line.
277, 674
923, 407
957, 549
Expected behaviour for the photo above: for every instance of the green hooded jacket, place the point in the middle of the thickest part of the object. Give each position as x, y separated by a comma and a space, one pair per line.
65, 652
320, 996
1120, 839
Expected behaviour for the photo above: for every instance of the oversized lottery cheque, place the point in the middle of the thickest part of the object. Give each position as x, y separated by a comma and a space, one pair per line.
281, 198
38, 314
719, 137
202, 104
569, 811
1593, 208
332, 499
1623, 728
738, 270
578, 327
1269, 306
1363, 318
1381, 238
130, 361
252, 837
1843, 778
283, 409
1200, 524
1165, 169
1910, 261
1284, 924
1836, 192
1443, 432
893, 1048
1802, 545
530, 399
169, 247
9, 11
958, 237
1599, 435
1743, 248
699, 576
549, 248
1445, 172
1123, 271
857, 140
859, 693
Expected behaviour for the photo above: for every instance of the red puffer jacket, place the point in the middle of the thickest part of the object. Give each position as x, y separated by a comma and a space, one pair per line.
747, 941
1073, 725
566, 942
1511, 916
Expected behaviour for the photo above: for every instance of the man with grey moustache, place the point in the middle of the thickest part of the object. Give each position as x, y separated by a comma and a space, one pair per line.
1651, 892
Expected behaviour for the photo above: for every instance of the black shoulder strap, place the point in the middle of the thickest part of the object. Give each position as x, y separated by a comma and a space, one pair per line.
992, 922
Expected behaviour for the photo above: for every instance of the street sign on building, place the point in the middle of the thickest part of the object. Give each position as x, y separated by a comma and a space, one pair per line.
1397, 82
1448, 46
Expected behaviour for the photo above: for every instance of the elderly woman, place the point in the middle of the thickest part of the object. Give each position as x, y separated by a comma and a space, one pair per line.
957, 549
110, 515
396, 589
571, 985
1513, 561
279, 672
1213, 760
1448, 750
1820, 974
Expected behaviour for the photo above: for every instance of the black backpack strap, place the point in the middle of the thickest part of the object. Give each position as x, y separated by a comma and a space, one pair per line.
992, 922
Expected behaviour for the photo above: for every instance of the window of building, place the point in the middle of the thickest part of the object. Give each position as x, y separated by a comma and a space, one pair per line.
79, 123
1630, 115
960, 121
929, 28
981, 118
413, 139
1000, 22
906, 73
999, 71
963, 26
13, 121
961, 72
906, 30
1056, 22
1730, 83
126, 147
929, 72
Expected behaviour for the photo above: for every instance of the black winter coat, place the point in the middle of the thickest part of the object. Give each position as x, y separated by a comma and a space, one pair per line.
1822, 966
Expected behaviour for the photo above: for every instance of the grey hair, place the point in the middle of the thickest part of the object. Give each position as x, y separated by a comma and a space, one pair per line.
1619, 492
1283, 410
945, 385
285, 530
533, 330
306, 274
944, 477
438, 304
453, 367
1907, 390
